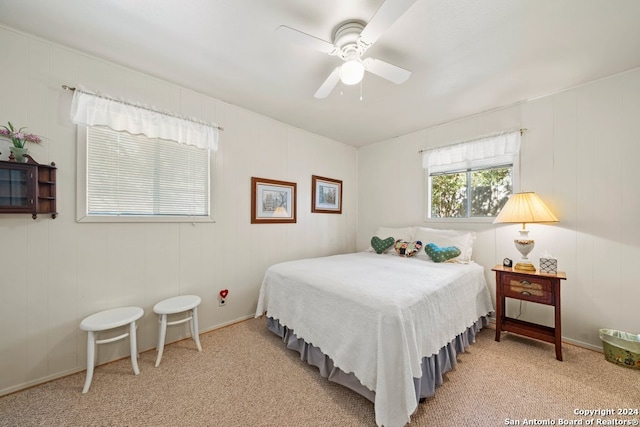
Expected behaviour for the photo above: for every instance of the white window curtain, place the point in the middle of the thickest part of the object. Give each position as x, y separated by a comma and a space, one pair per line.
485, 152
101, 110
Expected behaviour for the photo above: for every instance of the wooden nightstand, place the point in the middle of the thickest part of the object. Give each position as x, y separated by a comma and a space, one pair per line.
541, 288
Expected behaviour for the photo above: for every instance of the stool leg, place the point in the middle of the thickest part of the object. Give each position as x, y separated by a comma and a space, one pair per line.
159, 332
133, 342
194, 328
163, 332
91, 355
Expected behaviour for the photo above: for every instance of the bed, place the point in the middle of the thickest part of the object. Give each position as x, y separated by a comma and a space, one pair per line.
383, 325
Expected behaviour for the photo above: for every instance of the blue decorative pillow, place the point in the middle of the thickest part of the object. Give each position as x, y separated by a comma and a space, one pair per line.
438, 254
407, 249
380, 245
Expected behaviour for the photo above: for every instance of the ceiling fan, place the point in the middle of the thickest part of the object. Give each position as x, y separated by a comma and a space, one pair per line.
350, 41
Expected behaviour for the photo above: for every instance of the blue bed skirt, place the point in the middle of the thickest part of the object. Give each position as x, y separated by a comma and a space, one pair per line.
433, 367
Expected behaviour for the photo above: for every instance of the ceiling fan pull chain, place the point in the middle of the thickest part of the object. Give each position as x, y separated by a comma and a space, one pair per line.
361, 89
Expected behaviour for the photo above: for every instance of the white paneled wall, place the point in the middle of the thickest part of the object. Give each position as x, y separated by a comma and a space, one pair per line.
580, 153
55, 272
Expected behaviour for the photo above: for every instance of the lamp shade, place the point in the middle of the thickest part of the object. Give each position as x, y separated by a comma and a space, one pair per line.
351, 72
525, 208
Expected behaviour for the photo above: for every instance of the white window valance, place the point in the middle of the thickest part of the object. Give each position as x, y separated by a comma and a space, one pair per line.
101, 110
484, 152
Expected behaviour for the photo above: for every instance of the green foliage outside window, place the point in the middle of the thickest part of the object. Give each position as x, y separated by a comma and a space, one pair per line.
480, 193
449, 195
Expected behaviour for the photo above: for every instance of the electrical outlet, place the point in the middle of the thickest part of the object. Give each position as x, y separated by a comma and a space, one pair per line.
223, 295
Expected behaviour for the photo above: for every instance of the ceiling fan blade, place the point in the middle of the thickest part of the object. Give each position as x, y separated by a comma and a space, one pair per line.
387, 71
385, 16
328, 85
298, 37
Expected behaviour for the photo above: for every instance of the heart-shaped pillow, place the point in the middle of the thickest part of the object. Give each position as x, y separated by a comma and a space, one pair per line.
380, 245
407, 249
438, 254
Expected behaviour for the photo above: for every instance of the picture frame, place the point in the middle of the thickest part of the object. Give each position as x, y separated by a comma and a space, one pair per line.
326, 195
272, 201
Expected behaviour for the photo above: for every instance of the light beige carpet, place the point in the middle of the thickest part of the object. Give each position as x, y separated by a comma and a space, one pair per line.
246, 377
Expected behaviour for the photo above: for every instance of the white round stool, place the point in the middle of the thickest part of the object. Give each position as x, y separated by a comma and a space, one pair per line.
174, 305
103, 321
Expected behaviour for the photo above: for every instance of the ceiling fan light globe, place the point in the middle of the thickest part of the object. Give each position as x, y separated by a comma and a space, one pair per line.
351, 72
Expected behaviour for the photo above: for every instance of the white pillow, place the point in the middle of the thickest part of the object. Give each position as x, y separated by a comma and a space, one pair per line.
462, 240
404, 233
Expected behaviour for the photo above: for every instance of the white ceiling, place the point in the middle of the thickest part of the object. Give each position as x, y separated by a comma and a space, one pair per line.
466, 56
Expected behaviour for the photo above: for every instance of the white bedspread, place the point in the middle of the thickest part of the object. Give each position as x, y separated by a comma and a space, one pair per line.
377, 316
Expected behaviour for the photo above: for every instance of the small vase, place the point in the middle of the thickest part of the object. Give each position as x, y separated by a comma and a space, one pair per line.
18, 153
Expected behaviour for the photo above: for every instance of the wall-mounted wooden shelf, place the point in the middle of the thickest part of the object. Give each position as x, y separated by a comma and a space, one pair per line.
28, 188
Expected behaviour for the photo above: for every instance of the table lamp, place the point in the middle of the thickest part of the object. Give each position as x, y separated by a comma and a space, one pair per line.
524, 208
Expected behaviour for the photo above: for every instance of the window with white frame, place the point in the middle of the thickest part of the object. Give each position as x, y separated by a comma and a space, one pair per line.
136, 164
473, 179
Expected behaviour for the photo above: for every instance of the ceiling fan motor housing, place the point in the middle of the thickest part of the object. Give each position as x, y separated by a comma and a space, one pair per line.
346, 38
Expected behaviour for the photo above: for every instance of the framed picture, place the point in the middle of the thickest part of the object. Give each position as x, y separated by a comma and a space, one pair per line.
272, 202
326, 195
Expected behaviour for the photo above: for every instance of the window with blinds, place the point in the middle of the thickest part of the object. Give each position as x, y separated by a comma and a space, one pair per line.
129, 176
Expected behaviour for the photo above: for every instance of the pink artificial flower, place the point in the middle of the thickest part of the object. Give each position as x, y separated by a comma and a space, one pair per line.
18, 137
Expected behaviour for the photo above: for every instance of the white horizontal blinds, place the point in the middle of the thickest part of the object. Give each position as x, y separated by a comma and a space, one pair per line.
483, 153
134, 175
183, 180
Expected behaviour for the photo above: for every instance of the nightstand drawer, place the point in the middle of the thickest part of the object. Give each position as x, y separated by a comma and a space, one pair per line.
533, 289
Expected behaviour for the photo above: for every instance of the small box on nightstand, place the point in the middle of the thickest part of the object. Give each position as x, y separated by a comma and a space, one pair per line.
548, 265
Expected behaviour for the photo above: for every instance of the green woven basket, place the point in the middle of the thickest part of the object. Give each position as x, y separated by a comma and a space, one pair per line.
621, 348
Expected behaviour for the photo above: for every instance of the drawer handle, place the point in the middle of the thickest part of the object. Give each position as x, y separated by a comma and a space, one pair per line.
525, 293
525, 283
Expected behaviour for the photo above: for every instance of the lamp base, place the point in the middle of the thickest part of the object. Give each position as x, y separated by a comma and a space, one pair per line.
524, 266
